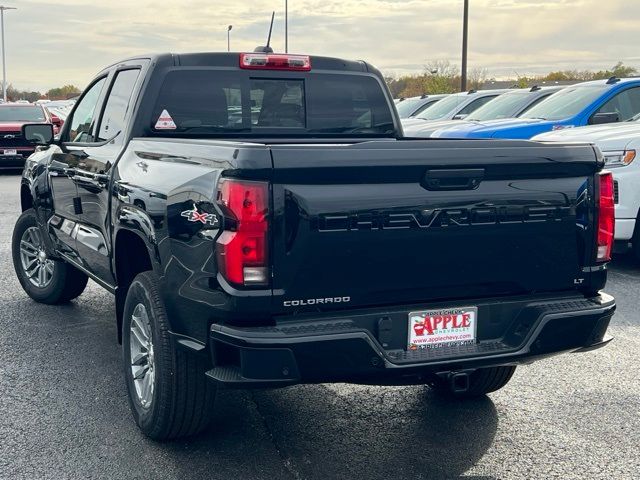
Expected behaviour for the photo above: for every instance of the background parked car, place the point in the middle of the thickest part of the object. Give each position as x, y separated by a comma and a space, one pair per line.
588, 103
454, 107
508, 105
620, 144
410, 107
13, 148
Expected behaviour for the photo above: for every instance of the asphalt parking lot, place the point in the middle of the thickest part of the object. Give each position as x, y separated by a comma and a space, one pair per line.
64, 412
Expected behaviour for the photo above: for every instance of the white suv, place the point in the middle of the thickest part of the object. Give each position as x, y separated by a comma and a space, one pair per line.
620, 144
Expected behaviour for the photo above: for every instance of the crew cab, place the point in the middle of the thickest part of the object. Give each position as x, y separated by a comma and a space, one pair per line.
589, 103
262, 222
14, 149
620, 145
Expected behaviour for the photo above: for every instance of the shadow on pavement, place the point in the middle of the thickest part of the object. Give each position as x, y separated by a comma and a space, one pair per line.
341, 431
625, 262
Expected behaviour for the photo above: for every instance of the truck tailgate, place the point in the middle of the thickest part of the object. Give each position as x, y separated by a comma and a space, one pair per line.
388, 222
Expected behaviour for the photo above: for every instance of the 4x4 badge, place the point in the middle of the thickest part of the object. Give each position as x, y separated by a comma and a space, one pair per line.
204, 218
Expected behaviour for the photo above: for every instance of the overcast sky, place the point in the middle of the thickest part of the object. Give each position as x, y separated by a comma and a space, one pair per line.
53, 42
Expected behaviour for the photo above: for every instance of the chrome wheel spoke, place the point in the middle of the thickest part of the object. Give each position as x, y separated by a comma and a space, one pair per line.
141, 372
141, 350
28, 249
41, 275
139, 337
139, 360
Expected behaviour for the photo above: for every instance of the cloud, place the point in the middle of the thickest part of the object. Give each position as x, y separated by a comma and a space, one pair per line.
53, 42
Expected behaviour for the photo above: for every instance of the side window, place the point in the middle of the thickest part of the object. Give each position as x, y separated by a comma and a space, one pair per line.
423, 108
626, 104
83, 118
534, 103
476, 104
117, 104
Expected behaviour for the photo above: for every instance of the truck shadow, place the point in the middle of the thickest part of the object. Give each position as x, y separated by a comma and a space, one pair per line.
346, 431
625, 262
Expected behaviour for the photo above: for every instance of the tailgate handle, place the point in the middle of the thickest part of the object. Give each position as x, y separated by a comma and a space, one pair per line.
453, 179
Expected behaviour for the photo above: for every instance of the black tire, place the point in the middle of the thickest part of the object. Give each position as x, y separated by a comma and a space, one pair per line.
181, 402
635, 242
66, 283
481, 382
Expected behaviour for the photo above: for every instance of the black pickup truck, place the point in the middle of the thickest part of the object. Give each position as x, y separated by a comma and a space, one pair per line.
262, 222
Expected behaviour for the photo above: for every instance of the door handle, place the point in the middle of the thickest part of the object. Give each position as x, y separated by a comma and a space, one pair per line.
453, 179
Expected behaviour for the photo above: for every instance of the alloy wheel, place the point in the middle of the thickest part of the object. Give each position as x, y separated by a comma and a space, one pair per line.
37, 266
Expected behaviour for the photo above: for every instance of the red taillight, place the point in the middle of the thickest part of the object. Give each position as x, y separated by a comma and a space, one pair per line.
606, 217
272, 61
242, 248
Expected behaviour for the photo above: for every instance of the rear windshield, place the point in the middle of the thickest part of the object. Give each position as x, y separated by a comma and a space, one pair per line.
21, 114
214, 102
566, 103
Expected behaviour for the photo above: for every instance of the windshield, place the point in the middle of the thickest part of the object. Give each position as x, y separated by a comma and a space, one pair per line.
408, 106
441, 108
565, 103
504, 106
214, 102
21, 114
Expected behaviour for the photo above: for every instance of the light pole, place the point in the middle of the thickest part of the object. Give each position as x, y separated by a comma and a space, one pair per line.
4, 69
229, 28
465, 38
286, 26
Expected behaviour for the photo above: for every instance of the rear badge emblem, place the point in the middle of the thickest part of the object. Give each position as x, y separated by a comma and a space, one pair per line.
202, 217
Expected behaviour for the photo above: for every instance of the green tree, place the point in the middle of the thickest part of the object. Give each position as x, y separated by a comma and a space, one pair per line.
63, 93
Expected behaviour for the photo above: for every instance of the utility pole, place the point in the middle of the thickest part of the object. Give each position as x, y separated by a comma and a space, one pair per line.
286, 26
229, 28
465, 39
4, 68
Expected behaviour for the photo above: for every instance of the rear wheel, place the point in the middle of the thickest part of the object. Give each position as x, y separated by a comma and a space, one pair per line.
169, 393
481, 382
45, 279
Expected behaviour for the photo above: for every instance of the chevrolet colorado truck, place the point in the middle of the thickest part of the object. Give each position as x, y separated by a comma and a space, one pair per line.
262, 222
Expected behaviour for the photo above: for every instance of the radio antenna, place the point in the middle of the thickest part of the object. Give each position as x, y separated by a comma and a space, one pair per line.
273, 15
268, 48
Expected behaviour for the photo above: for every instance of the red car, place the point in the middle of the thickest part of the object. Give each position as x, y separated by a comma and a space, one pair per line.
13, 148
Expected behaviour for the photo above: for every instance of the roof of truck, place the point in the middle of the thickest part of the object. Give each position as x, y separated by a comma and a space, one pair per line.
231, 59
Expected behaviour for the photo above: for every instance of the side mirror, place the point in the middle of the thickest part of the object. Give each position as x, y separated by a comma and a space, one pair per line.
57, 121
38, 133
600, 118
460, 116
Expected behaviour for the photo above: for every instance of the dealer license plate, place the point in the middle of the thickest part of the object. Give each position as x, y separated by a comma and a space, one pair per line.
437, 328
10, 152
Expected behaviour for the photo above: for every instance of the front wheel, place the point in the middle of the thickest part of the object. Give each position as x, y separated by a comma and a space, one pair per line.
481, 382
169, 394
45, 279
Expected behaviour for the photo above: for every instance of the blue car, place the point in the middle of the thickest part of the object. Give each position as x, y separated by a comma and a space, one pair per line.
589, 103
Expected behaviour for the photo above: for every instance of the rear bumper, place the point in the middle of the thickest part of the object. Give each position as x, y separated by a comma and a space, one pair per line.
13, 162
348, 349
625, 228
